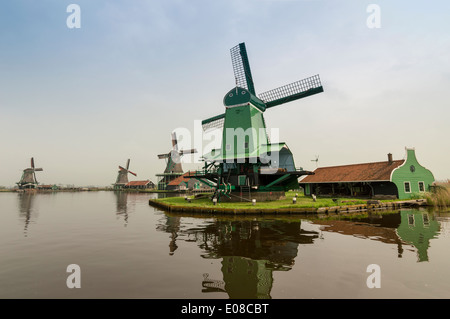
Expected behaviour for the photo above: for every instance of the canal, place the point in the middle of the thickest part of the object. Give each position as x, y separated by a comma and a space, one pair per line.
124, 248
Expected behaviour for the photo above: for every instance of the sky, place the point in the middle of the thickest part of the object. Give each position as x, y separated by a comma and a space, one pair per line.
82, 101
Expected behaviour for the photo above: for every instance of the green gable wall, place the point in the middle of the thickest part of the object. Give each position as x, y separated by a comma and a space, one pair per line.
404, 174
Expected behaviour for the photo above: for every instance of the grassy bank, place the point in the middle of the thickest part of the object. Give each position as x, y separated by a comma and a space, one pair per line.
439, 196
302, 202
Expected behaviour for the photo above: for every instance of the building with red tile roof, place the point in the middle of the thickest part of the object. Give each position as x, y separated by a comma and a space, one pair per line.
140, 184
185, 182
387, 179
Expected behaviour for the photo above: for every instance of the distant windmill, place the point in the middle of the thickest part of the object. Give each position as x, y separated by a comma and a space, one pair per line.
316, 160
173, 163
28, 179
122, 177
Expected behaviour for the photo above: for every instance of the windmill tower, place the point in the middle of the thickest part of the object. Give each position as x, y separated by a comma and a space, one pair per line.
28, 179
173, 163
247, 161
122, 177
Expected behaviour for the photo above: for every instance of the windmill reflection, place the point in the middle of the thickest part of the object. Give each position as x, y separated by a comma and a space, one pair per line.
26, 209
171, 225
122, 206
250, 250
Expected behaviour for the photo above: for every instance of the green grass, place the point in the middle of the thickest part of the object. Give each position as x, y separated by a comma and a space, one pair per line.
302, 202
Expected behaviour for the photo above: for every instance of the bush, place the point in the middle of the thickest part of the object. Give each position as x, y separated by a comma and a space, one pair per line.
439, 196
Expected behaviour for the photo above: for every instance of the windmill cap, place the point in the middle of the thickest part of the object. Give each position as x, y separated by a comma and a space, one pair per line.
240, 96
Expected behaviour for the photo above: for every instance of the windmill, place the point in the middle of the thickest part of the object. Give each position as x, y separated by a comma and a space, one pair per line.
122, 177
28, 179
247, 161
316, 160
173, 163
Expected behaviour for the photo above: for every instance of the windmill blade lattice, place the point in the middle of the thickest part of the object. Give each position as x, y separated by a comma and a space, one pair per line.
174, 141
213, 123
293, 91
241, 67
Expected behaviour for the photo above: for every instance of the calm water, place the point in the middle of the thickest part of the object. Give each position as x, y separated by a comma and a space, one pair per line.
127, 249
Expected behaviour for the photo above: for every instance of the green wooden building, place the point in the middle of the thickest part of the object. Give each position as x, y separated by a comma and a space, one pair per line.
401, 179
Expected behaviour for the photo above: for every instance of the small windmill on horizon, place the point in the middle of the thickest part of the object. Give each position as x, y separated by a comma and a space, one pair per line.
28, 179
122, 177
316, 160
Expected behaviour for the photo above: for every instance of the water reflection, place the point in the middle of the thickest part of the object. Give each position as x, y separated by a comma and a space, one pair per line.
418, 228
171, 225
406, 227
27, 213
122, 206
250, 249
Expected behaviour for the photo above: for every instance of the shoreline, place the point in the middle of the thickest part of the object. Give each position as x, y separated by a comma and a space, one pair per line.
302, 210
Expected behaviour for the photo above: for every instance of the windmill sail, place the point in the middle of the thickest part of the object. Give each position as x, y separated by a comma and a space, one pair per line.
190, 151
292, 92
212, 123
241, 67
174, 141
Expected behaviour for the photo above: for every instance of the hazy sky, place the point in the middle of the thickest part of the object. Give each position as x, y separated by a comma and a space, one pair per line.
82, 101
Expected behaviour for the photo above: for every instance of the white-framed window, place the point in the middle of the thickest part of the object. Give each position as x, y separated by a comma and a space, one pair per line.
407, 187
421, 187
426, 219
411, 220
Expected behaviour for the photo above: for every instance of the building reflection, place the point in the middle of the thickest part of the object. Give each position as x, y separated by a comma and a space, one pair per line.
418, 228
250, 250
410, 227
27, 213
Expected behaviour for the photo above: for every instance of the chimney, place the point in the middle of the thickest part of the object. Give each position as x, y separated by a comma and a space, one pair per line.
390, 158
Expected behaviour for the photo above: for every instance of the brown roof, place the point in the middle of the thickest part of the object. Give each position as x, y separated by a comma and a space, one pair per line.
183, 178
378, 171
138, 183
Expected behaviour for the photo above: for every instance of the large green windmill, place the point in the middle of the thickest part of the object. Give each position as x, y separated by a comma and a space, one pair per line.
247, 162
